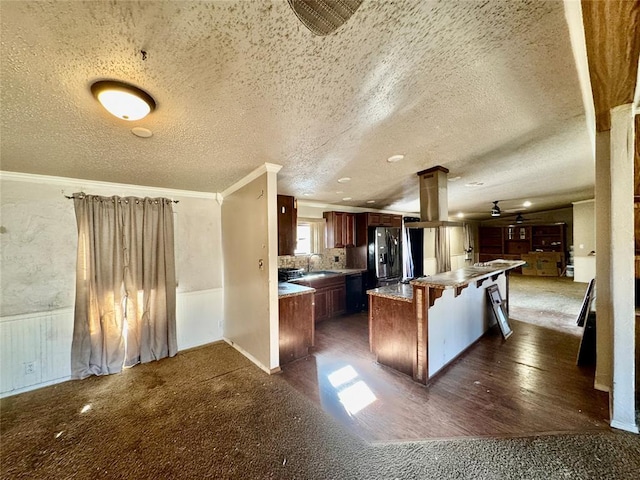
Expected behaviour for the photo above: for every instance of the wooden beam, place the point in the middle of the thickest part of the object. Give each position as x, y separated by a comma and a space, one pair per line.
612, 34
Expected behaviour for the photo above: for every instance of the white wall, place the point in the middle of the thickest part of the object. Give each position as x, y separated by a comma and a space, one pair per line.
584, 237
38, 240
250, 249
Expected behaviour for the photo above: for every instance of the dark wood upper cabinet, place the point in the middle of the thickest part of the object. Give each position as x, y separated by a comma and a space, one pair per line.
341, 229
287, 225
382, 220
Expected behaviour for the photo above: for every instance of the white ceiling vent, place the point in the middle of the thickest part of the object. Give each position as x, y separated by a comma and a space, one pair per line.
323, 17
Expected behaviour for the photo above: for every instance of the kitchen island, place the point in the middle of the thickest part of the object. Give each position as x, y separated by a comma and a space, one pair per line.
421, 327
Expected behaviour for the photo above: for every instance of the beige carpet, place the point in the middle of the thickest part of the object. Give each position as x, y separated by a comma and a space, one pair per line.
209, 413
551, 302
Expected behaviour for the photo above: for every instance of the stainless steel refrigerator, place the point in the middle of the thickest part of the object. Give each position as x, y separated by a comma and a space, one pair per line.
385, 255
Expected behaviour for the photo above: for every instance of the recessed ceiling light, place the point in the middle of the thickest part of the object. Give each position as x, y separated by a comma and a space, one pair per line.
371, 201
306, 194
346, 199
473, 184
454, 179
344, 179
123, 100
141, 132
460, 215
339, 191
395, 158
526, 204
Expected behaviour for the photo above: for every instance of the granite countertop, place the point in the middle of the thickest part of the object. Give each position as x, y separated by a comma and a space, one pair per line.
348, 271
399, 291
466, 275
286, 289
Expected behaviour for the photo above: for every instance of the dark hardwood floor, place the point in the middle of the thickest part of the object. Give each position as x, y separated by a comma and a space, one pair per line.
525, 385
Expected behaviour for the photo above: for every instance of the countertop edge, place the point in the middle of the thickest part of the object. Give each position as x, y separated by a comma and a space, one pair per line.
445, 284
294, 290
390, 296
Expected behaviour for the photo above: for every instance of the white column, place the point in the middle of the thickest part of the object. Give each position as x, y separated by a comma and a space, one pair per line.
623, 413
604, 307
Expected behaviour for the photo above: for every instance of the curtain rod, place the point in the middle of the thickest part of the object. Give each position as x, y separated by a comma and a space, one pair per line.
71, 197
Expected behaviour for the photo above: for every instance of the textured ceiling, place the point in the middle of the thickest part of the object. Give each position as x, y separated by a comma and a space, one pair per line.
487, 89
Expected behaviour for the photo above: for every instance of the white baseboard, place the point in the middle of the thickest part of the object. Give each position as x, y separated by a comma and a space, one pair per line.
628, 427
33, 387
602, 387
253, 359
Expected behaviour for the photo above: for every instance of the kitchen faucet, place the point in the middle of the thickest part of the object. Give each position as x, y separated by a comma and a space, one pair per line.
309, 260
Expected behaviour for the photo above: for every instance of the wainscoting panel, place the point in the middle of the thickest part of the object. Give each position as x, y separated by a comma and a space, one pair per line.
35, 349
199, 317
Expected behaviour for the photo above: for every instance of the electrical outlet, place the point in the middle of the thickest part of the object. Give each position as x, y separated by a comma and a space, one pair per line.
29, 368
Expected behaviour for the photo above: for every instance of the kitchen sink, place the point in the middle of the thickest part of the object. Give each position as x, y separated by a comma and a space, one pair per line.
320, 273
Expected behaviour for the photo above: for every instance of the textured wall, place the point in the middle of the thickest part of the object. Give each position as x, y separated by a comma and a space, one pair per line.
38, 242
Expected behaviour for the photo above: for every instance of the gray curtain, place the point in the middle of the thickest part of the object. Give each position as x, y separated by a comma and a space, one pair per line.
406, 254
443, 250
125, 284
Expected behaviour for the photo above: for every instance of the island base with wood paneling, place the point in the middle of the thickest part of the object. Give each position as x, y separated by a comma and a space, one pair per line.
420, 328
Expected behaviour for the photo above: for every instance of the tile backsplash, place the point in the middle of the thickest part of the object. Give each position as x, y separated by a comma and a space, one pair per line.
323, 261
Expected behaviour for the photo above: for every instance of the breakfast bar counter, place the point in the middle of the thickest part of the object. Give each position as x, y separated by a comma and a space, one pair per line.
419, 328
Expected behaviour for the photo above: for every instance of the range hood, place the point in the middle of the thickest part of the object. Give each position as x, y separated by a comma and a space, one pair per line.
434, 211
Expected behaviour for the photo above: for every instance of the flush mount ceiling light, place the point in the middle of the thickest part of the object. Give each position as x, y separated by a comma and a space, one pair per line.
123, 100
344, 179
526, 204
323, 17
495, 211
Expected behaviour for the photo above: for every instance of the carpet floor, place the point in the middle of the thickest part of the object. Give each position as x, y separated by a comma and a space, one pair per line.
551, 302
210, 413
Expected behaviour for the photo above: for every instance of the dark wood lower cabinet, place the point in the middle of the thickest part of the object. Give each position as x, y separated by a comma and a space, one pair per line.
394, 335
296, 326
322, 305
330, 296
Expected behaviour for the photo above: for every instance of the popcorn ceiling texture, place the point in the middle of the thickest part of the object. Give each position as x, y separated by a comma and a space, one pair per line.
487, 89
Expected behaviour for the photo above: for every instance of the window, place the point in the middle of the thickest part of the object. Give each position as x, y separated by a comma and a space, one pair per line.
309, 236
303, 237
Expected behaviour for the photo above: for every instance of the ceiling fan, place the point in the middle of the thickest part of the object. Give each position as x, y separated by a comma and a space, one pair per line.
495, 210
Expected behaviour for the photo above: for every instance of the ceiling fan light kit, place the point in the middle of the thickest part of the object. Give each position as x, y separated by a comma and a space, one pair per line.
495, 210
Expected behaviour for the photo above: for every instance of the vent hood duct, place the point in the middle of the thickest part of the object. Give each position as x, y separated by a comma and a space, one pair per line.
434, 211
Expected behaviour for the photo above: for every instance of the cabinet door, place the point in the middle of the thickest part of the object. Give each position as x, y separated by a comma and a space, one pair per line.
321, 309
373, 220
341, 229
287, 225
349, 230
337, 300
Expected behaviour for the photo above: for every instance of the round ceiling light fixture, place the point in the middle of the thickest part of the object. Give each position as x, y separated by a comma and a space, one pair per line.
395, 158
123, 100
344, 179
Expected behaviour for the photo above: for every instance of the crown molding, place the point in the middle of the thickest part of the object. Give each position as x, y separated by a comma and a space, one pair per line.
261, 170
82, 184
591, 200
